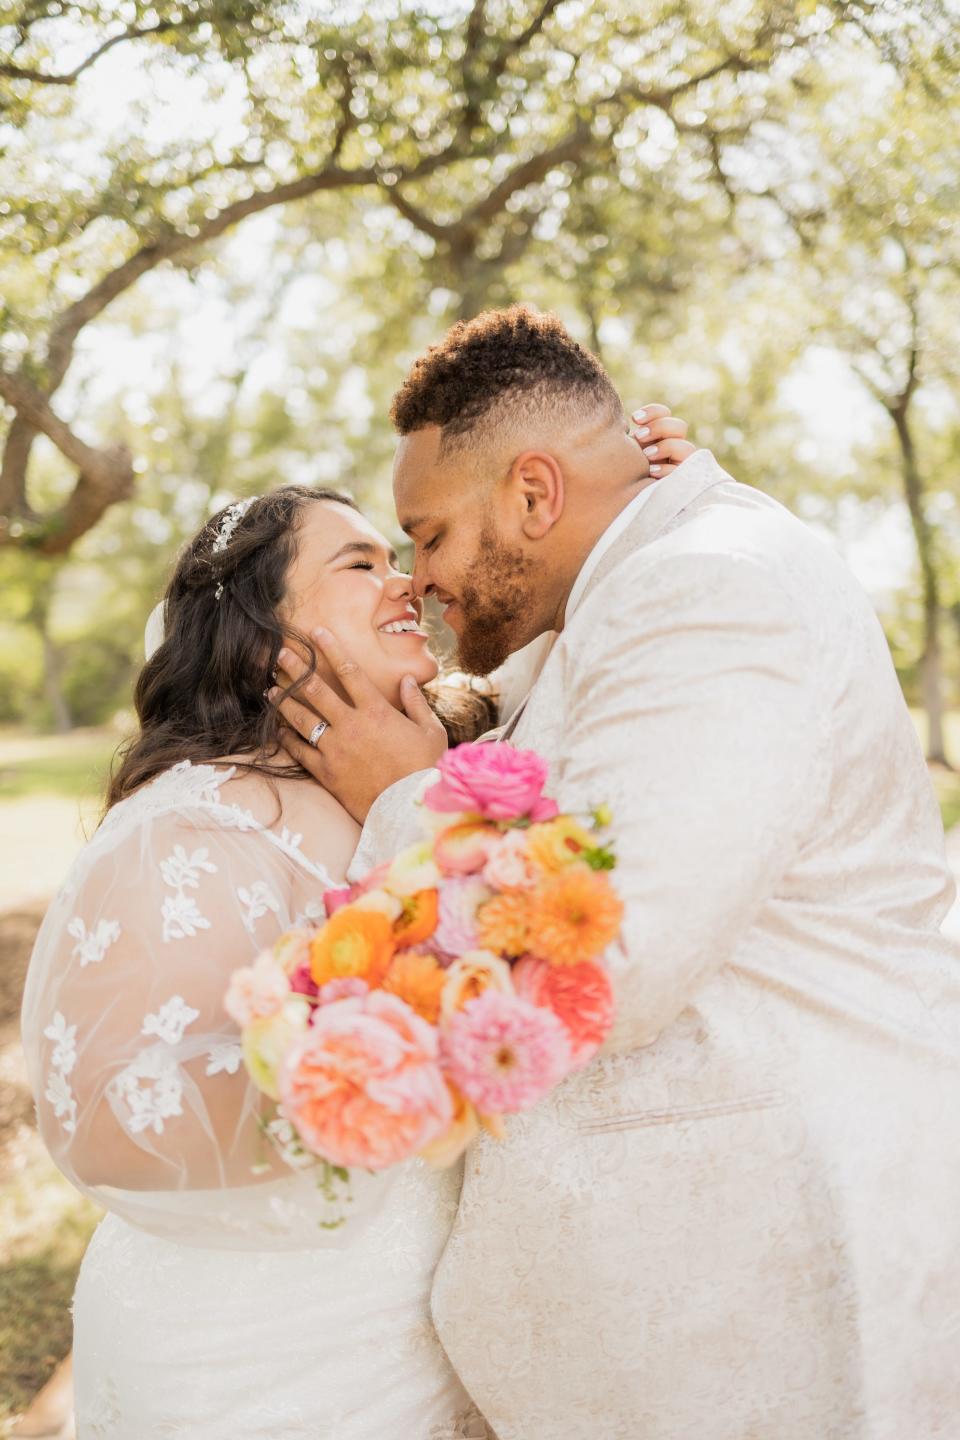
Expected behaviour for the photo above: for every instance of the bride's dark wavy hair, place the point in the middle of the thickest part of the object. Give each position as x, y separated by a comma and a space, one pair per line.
200, 695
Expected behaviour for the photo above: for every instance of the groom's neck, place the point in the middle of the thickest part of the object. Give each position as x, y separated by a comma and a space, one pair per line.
589, 515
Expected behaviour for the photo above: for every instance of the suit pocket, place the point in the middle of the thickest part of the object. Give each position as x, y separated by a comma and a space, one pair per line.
607, 1124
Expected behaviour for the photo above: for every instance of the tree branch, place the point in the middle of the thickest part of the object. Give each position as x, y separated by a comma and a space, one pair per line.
105, 475
41, 77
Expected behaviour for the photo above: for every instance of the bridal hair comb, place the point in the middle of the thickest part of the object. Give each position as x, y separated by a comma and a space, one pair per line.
229, 521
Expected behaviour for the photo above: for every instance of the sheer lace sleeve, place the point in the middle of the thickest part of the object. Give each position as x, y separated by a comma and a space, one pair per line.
143, 1099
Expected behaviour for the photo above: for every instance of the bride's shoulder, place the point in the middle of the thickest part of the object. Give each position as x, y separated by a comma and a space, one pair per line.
297, 806
226, 792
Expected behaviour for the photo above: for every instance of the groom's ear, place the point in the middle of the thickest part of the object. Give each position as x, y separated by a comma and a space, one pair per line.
537, 490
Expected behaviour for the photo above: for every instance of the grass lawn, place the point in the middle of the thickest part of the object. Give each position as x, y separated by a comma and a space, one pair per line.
45, 1227
69, 766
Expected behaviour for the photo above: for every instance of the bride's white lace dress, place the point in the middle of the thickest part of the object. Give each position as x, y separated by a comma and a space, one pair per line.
211, 1302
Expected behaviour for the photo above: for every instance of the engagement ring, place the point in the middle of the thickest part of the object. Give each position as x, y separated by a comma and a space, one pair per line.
316, 732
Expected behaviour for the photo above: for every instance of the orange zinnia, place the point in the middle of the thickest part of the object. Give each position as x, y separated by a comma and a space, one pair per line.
502, 923
418, 919
353, 943
574, 916
418, 979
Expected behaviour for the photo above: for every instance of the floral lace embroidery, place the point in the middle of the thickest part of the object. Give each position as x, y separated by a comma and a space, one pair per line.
224, 1058
258, 901
150, 1105
170, 1021
92, 945
180, 912
59, 1091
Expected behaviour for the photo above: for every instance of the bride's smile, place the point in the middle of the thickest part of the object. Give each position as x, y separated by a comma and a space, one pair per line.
345, 577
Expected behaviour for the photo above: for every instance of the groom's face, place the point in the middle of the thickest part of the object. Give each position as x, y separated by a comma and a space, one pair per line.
468, 550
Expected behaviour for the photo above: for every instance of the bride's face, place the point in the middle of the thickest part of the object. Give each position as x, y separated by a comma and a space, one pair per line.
345, 578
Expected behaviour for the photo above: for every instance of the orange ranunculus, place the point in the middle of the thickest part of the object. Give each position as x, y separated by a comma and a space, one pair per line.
554, 844
574, 916
418, 979
502, 923
417, 920
353, 943
450, 1146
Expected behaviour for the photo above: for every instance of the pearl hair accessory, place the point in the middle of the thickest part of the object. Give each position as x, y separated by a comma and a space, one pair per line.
228, 523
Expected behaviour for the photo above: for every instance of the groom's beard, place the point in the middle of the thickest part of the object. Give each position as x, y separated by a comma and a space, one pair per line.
494, 607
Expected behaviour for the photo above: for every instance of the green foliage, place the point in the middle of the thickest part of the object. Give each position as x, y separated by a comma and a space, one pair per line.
702, 234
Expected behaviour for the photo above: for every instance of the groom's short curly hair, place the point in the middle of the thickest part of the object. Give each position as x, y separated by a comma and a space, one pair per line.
493, 368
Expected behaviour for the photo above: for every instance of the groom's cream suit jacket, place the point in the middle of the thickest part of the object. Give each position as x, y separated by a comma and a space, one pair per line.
742, 1222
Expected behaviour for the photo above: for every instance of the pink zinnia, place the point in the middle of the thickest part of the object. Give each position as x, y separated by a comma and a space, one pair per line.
364, 1085
495, 781
503, 1053
459, 902
581, 996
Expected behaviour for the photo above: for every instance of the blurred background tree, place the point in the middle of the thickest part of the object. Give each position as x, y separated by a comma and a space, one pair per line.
226, 228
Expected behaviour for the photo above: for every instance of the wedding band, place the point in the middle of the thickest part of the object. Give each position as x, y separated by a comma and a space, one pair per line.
316, 732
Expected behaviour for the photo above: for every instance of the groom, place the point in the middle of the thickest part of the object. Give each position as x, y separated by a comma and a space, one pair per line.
742, 1221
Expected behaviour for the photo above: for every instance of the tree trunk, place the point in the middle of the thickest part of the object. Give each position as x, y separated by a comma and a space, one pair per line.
931, 672
39, 617
53, 686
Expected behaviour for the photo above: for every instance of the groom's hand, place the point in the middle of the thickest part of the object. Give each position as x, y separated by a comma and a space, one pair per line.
662, 438
367, 745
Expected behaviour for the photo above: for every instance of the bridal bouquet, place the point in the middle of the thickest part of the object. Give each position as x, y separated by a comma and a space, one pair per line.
457, 984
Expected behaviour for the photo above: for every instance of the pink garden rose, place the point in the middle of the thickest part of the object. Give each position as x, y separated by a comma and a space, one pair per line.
256, 991
364, 1085
495, 781
503, 1053
581, 996
346, 987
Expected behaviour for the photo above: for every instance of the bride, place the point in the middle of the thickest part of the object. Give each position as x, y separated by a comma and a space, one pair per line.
210, 1302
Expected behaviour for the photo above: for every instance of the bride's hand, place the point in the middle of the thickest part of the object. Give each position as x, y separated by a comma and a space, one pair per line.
366, 745
662, 438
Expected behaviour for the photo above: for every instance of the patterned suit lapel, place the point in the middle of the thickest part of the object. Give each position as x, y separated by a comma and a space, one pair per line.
693, 478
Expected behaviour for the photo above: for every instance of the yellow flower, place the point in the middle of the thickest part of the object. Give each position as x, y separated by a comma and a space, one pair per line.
555, 844
265, 1042
574, 916
447, 1149
502, 923
412, 870
468, 977
418, 979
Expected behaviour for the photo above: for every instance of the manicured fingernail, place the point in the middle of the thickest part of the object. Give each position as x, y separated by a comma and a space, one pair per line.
642, 434
321, 634
285, 658
650, 450
656, 469
273, 694
639, 415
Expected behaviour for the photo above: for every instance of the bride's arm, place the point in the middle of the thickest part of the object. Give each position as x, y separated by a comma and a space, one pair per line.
138, 1069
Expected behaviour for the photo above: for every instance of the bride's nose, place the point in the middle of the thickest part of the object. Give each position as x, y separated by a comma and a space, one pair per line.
399, 587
